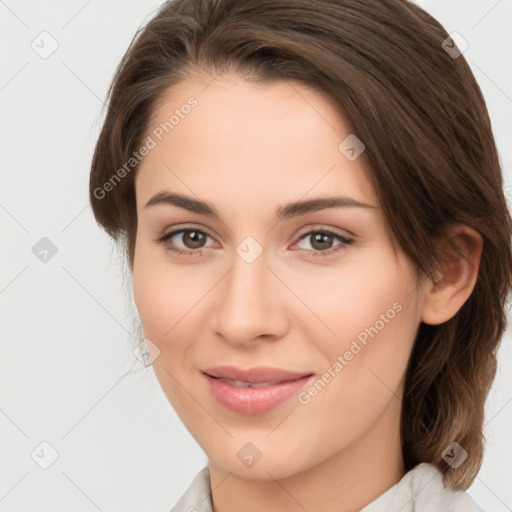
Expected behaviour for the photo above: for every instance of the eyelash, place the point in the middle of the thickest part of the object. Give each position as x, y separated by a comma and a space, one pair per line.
190, 252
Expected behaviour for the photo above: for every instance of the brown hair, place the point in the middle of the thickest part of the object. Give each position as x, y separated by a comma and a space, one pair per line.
430, 153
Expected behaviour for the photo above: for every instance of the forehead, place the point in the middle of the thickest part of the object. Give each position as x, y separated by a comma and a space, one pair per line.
254, 139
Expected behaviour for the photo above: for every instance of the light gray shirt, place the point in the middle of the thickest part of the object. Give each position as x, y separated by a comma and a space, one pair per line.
419, 490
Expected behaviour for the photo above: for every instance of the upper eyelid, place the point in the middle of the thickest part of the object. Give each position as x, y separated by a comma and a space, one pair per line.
175, 231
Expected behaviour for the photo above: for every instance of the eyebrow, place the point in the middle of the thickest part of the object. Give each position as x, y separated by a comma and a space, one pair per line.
287, 211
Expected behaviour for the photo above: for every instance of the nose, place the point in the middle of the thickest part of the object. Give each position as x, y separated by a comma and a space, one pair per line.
251, 303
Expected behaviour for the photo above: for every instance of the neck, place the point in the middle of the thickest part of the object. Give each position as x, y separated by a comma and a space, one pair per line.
347, 481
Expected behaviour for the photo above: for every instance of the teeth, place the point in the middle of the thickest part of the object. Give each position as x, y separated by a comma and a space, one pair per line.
263, 384
242, 384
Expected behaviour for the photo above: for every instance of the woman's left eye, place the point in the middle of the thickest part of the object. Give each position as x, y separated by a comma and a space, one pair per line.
321, 238
196, 238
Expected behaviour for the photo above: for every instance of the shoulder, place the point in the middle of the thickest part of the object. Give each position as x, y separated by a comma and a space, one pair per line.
419, 490
197, 498
422, 490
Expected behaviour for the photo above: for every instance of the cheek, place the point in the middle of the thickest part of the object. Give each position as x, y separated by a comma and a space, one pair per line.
161, 293
373, 318
165, 309
151, 297
368, 299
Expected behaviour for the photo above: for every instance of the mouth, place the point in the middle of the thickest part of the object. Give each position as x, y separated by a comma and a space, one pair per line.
253, 391
257, 374
244, 384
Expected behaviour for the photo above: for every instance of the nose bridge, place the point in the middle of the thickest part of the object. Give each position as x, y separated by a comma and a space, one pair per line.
249, 304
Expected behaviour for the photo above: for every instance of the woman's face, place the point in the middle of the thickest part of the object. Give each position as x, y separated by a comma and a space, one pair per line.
311, 290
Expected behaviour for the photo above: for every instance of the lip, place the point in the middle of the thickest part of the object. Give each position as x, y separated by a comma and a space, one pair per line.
283, 384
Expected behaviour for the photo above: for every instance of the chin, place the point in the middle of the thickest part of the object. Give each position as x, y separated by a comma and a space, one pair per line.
267, 462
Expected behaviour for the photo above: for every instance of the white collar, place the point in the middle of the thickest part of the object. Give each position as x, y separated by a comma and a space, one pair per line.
420, 490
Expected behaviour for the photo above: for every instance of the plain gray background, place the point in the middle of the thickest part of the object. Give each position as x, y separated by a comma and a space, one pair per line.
68, 376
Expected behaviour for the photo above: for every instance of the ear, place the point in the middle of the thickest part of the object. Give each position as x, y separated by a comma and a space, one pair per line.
456, 276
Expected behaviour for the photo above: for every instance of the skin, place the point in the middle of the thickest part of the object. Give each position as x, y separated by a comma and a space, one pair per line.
247, 149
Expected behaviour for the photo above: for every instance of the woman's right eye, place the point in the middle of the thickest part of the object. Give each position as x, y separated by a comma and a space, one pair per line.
193, 239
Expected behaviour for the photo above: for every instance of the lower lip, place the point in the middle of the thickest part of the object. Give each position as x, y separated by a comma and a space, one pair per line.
252, 401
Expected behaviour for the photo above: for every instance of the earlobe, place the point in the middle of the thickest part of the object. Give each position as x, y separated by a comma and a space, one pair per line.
456, 277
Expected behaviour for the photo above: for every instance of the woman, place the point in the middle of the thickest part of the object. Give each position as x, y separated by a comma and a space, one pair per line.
310, 199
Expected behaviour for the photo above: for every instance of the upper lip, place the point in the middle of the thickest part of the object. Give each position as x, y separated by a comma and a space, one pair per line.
256, 374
